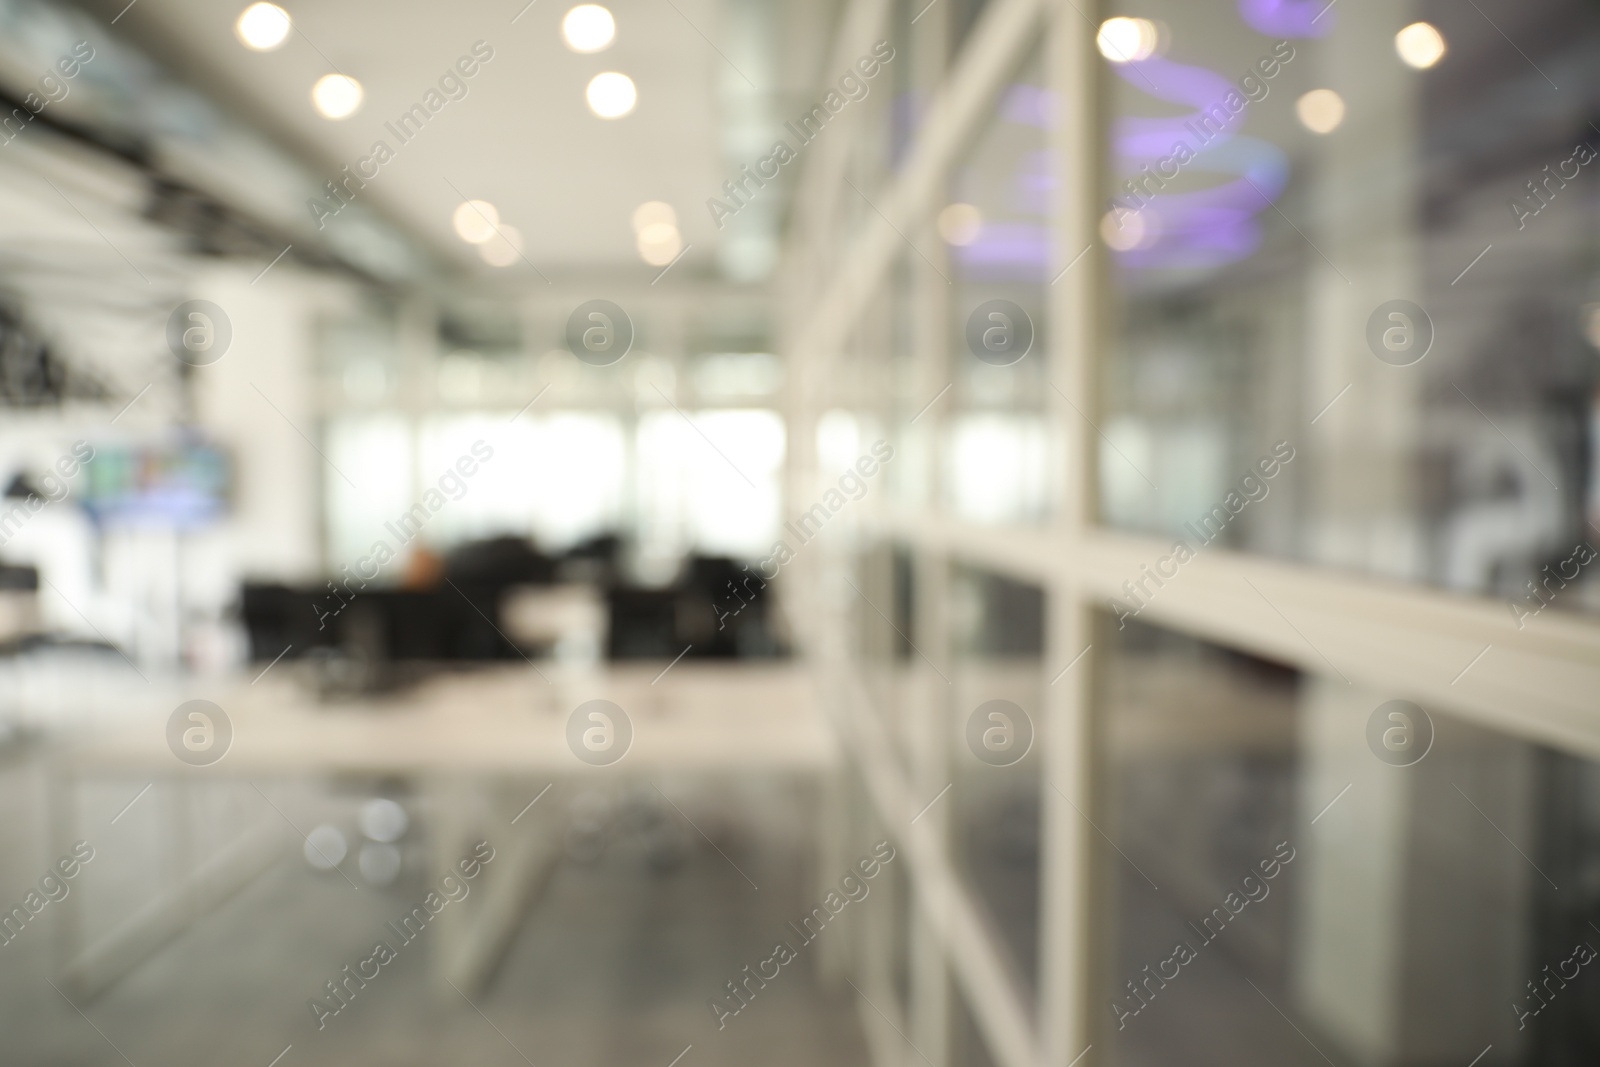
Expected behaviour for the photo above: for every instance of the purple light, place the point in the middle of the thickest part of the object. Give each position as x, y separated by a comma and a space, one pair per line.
1035, 184
1288, 18
1006, 251
1176, 83
1028, 105
1215, 226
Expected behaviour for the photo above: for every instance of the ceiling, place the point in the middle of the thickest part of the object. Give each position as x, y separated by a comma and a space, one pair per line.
523, 137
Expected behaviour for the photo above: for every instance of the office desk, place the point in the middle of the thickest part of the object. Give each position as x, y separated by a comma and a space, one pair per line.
495, 730
698, 716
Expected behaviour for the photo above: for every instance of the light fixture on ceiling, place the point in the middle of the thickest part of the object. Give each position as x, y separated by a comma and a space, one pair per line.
503, 248
659, 243
655, 225
1126, 40
960, 223
475, 221
589, 28
337, 96
1420, 45
262, 27
1123, 230
1320, 110
651, 212
611, 95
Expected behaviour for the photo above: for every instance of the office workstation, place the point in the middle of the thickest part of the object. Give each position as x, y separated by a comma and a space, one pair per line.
971, 533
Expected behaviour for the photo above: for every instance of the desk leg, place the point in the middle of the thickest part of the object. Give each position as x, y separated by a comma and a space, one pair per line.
449, 827
98, 966
526, 854
61, 821
833, 860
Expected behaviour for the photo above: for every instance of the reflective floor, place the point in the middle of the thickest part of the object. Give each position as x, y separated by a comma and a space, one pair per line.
640, 923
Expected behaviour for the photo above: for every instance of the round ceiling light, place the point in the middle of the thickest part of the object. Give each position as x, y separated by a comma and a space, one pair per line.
659, 243
611, 95
1420, 45
651, 212
1123, 231
1125, 40
589, 28
337, 96
960, 223
475, 221
262, 27
1320, 110
503, 248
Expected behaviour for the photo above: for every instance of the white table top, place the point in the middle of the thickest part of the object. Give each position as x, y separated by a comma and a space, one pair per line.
697, 717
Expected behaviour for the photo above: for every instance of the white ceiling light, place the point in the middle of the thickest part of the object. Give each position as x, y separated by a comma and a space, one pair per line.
589, 28
659, 243
959, 223
262, 27
336, 96
325, 847
1125, 40
611, 95
1420, 45
1320, 110
1123, 230
651, 212
503, 248
475, 221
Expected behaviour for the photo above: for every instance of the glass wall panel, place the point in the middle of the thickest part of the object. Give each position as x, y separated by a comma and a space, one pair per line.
374, 452
997, 686
709, 481
968, 1048
888, 647
1306, 873
996, 447
1366, 236
916, 381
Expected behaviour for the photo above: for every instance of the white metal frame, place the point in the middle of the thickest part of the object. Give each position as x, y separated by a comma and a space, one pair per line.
1462, 654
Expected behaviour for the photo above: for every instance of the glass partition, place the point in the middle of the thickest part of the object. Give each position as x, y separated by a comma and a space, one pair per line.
996, 460
997, 693
1362, 236
1308, 873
